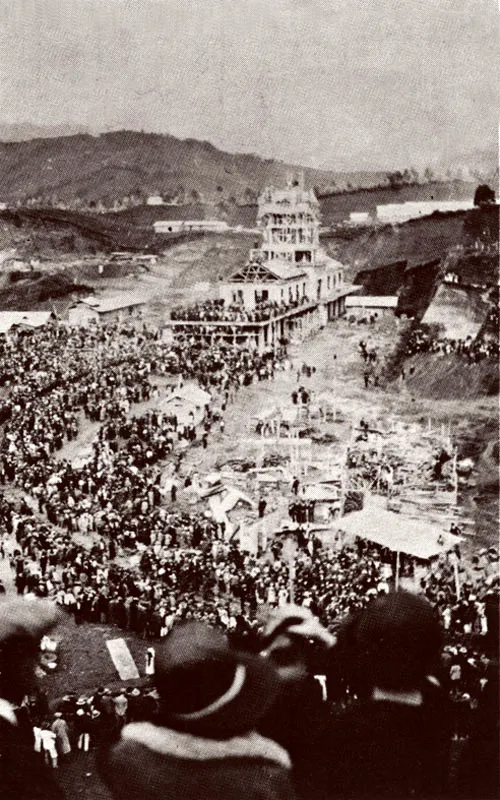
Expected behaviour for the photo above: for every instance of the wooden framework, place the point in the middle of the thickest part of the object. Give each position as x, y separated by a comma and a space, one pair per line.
254, 272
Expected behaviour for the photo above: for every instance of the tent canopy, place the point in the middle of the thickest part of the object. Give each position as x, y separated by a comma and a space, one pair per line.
321, 492
29, 319
190, 394
398, 533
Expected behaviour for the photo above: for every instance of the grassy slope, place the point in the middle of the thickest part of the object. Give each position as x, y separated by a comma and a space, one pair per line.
115, 164
338, 207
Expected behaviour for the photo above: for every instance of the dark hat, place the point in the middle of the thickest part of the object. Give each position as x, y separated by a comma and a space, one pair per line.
208, 689
27, 619
395, 640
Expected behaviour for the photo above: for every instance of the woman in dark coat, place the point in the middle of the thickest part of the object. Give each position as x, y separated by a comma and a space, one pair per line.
204, 744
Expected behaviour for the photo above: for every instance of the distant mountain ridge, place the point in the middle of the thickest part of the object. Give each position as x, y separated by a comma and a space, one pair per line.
23, 131
124, 167
114, 165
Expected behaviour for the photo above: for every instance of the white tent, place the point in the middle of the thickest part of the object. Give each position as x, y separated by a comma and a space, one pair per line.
191, 394
28, 319
399, 533
321, 492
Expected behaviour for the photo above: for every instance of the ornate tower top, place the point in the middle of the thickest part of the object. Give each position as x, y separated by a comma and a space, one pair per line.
289, 220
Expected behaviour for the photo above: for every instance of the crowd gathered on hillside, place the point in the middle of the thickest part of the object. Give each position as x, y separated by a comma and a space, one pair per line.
108, 542
473, 350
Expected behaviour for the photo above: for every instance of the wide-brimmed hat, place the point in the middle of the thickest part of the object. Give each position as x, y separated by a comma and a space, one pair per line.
28, 619
208, 689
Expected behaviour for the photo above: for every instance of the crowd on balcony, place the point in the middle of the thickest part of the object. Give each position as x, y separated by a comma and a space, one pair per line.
219, 311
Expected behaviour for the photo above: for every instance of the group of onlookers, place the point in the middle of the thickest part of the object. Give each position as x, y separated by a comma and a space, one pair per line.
219, 311
291, 713
422, 340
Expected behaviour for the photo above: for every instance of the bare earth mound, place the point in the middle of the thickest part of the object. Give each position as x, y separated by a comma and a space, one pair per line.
450, 377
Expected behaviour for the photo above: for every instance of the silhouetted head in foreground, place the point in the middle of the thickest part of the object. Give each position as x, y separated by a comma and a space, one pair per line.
392, 644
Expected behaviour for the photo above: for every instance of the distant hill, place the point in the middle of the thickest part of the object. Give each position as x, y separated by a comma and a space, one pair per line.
52, 234
22, 131
417, 241
122, 164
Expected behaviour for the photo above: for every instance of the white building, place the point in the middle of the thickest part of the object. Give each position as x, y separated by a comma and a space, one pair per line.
188, 225
155, 200
359, 218
288, 287
116, 308
359, 305
393, 213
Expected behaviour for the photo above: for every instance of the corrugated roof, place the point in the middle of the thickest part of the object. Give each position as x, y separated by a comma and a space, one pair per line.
371, 301
31, 319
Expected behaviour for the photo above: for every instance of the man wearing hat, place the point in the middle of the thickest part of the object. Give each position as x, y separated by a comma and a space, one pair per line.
23, 623
394, 741
204, 745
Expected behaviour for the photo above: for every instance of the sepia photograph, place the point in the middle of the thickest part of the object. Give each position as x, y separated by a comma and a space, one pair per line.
249, 400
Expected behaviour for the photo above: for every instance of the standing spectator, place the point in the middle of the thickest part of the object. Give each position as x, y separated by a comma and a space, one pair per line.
49, 748
395, 739
60, 728
83, 725
297, 645
22, 625
150, 661
121, 706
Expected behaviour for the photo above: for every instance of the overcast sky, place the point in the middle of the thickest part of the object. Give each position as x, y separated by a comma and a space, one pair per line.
332, 83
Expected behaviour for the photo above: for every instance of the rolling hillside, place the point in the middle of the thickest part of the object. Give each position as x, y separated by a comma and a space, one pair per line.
115, 165
55, 234
416, 241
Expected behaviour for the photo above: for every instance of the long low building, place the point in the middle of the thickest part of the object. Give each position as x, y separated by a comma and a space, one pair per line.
115, 308
190, 225
414, 209
360, 304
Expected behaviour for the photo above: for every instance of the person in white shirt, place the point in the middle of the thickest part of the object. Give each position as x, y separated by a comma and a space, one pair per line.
49, 749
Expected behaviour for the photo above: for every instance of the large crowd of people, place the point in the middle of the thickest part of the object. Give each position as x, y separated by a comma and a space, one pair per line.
106, 540
219, 311
295, 713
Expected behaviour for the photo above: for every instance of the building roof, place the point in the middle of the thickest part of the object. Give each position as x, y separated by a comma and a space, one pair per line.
30, 319
190, 394
371, 301
104, 305
321, 492
258, 272
285, 270
398, 533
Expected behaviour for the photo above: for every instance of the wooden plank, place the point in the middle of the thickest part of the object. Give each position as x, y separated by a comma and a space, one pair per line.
122, 659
